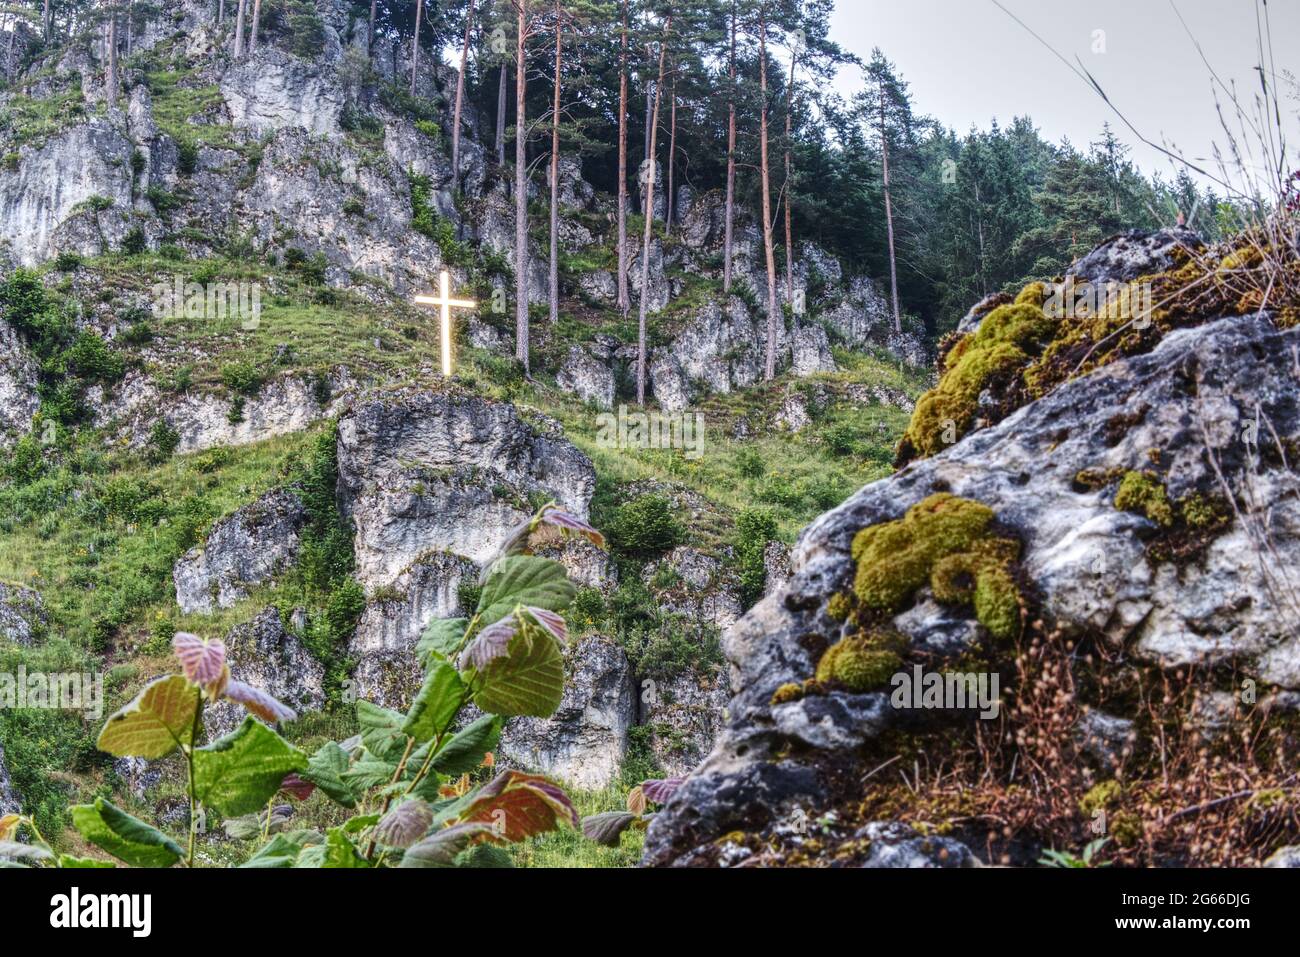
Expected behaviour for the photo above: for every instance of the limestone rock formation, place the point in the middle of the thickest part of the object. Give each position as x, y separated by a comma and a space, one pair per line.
248, 547
422, 470
1095, 568
18, 398
268, 656
22, 614
9, 800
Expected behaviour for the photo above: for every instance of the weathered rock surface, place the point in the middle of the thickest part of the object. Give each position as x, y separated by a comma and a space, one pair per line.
587, 377
18, 399
268, 656
10, 803
22, 614
248, 547
1195, 391
585, 741
423, 470
383, 645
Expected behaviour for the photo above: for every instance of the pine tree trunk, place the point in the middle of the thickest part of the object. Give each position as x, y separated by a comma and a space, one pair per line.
221, 12
670, 196
460, 99
554, 291
415, 44
624, 300
110, 80
501, 116
773, 327
731, 160
45, 21
649, 224
521, 191
370, 33
130, 32
788, 192
239, 30
889, 218
252, 33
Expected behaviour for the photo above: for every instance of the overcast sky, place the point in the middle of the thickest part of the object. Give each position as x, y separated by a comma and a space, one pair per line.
967, 63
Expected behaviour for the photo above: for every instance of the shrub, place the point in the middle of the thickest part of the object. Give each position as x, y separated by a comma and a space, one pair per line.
645, 527
92, 359
242, 378
162, 442
134, 242
754, 529
187, 157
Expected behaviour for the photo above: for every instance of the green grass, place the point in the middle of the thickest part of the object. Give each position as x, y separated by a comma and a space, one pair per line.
568, 848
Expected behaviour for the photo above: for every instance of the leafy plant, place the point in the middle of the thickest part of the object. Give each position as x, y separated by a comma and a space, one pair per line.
1054, 858
406, 776
607, 827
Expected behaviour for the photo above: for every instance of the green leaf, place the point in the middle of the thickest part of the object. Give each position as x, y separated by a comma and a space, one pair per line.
527, 680
325, 769
441, 848
485, 856
239, 773
340, 851
280, 851
440, 641
436, 704
156, 723
70, 862
465, 750
524, 580
381, 730
368, 772
125, 837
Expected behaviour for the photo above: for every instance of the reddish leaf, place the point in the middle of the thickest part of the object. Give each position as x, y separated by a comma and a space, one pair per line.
659, 790
259, 702
488, 644
516, 806
571, 524
404, 824
296, 787
551, 622
202, 661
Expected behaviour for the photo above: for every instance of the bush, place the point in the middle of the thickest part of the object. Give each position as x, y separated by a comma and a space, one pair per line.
242, 378
187, 157
92, 359
645, 527
754, 529
134, 242
162, 442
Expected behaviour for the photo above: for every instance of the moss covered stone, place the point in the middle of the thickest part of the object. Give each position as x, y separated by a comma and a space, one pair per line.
858, 664
1100, 796
790, 691
1144, 494
840, 606
944, 541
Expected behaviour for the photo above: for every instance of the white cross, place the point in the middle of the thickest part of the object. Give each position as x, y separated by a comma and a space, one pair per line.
446, 302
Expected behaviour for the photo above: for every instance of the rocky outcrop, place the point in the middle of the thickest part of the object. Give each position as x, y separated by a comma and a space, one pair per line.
1094, 569
272, 90
18, 399
424, 470
268, 656
587, 377
10, 803
248, 547
585, 741
22, 614
383, 644
286, 404
46, 203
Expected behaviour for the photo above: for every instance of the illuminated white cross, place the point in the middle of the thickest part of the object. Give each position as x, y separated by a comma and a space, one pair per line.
444, 300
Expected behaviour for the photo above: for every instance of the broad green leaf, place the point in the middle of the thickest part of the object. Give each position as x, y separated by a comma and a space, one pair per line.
69, 862
125, 837
280, 851
465, 750
340, 851
436, 704
527, 680
440, 640
485, 856
355, 825
524, 580
324, 769
368, 772
441, 847
160, 719
517, 806
239, 773
381, 730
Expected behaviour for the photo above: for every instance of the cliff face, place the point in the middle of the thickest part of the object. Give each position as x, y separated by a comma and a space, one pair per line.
1153, 511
